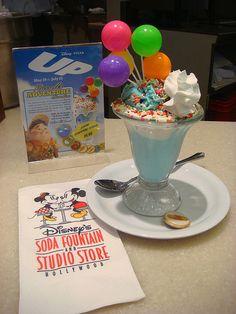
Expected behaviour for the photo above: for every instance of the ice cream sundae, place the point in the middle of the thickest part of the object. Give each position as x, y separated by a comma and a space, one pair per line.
158, 107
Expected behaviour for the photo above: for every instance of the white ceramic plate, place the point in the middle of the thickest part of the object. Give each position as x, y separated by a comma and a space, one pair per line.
205, 200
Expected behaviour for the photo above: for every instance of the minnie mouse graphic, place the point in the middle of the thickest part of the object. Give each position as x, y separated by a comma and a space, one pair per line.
49, 202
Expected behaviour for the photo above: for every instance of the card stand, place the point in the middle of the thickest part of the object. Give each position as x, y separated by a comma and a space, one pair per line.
69, 161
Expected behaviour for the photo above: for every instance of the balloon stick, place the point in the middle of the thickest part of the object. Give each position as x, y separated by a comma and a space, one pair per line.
132, 82
142, 67
139, 76
135, 77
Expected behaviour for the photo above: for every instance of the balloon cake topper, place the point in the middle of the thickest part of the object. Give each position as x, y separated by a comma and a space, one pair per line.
119, 65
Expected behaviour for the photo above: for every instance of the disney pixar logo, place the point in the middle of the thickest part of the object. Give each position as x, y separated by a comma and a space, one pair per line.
61, 67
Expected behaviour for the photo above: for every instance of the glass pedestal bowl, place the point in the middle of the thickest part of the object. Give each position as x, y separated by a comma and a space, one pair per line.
155, 148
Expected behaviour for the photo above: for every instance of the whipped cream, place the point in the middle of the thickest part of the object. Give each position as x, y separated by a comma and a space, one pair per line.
183, 91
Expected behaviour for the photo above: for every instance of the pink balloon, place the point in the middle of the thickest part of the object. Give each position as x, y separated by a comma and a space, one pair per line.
116, 35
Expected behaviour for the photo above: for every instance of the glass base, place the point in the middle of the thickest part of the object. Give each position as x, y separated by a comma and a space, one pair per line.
151, 199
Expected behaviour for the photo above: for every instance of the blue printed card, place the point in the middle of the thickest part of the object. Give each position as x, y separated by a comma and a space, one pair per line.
61, 99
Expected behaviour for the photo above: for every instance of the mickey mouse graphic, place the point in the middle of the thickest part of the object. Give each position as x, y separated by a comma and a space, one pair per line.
50, 202
71, 199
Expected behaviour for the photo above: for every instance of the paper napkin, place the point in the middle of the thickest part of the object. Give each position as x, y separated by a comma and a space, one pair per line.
70, 262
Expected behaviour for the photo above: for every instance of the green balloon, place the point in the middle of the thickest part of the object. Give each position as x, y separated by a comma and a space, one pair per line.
146, 40
97, 82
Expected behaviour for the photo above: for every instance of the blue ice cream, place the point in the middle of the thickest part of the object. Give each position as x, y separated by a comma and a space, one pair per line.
146, 96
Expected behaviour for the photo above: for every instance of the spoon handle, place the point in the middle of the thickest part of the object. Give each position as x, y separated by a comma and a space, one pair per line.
131, 180
190, 158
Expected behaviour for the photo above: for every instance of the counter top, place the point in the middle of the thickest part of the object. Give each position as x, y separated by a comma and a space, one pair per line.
190, 275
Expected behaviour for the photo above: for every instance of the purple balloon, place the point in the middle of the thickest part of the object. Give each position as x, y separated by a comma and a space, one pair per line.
83, 88
113, 71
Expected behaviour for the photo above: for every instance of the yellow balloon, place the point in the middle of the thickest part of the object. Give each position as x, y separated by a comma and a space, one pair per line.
126, 56
91, 88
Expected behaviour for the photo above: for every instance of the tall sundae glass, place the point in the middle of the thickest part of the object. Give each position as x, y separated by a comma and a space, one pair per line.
156, 137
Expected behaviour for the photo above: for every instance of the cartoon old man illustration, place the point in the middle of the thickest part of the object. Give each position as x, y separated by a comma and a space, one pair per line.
39, 142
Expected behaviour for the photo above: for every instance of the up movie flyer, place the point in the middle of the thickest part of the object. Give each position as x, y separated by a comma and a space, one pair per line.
61, 100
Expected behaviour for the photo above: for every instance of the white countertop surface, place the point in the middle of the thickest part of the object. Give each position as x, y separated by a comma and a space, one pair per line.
190, 275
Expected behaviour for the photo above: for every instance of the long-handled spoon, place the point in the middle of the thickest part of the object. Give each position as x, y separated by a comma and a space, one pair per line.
119, 186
